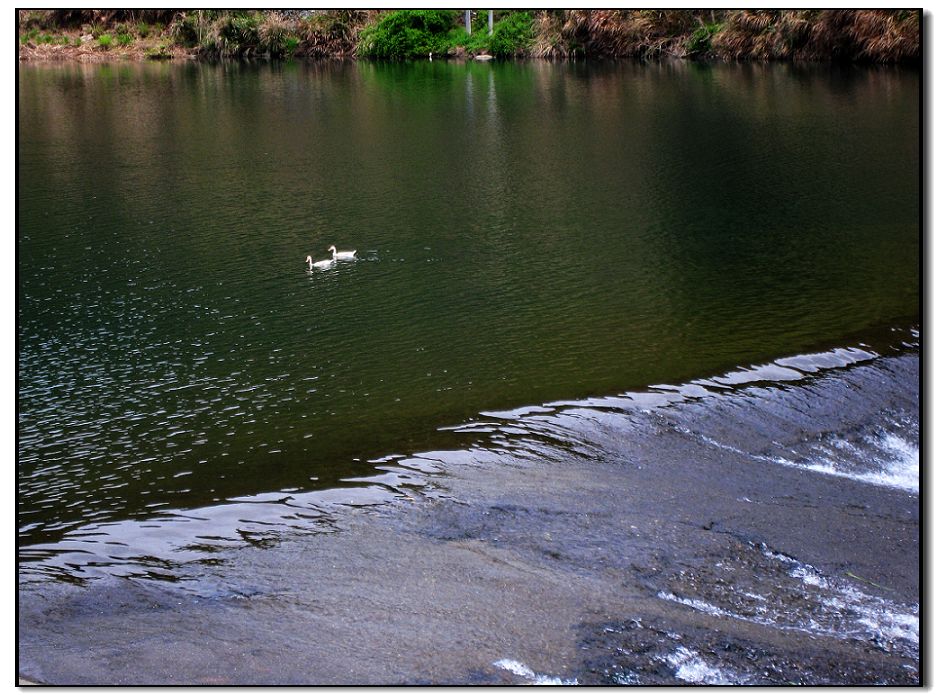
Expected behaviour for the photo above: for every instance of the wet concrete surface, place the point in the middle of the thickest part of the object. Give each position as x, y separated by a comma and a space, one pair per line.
673, 548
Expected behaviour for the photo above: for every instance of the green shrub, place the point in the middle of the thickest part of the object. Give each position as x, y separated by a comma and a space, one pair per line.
512, 35
125, 39
143, 30
406, 34
105, 41
700, 41
291, 43
239, 34
476, 42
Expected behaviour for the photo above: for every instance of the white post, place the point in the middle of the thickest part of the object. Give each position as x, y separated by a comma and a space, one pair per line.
491, 21
468, 22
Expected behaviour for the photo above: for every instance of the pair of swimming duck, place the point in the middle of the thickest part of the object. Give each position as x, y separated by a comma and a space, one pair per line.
336, 256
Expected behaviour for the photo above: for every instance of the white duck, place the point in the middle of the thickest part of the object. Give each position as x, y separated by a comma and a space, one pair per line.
342, 255
319, 264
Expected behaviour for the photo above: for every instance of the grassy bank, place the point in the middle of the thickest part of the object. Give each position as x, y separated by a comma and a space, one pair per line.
876, 36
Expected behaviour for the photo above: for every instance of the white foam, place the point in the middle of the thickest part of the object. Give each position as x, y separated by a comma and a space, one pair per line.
893, 626
809, 576
698, 605
720, 445
843, 611
904, 472
899, 466
519, 669
881, 618
690, 668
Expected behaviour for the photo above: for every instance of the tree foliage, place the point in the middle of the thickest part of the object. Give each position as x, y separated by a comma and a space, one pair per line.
407, 34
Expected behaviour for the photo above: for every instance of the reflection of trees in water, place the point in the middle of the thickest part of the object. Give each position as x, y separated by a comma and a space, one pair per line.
783, 188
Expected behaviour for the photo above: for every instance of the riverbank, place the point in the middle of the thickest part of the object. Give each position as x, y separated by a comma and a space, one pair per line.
871, 36
703, 533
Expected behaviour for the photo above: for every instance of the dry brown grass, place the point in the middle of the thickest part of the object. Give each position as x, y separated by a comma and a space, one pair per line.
884, 36
758, 35
548, 39
875, 35
71, 18
808, 35
629, 33
90, 52
273, 33
332, 34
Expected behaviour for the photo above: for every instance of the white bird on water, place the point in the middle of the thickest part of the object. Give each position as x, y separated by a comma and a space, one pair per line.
319, 264
342, 255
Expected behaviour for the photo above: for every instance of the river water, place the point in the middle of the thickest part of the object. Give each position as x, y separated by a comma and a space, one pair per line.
528, 235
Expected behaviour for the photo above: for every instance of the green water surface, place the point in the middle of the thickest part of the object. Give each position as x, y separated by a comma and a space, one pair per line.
526, 232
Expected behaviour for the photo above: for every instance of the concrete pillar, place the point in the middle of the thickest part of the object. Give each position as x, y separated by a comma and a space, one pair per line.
491, 21
468, 21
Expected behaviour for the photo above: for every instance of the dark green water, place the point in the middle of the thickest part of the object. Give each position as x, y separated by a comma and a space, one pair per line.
527, 232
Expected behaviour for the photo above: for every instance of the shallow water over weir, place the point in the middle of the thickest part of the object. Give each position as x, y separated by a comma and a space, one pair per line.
742, 528
847, 413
